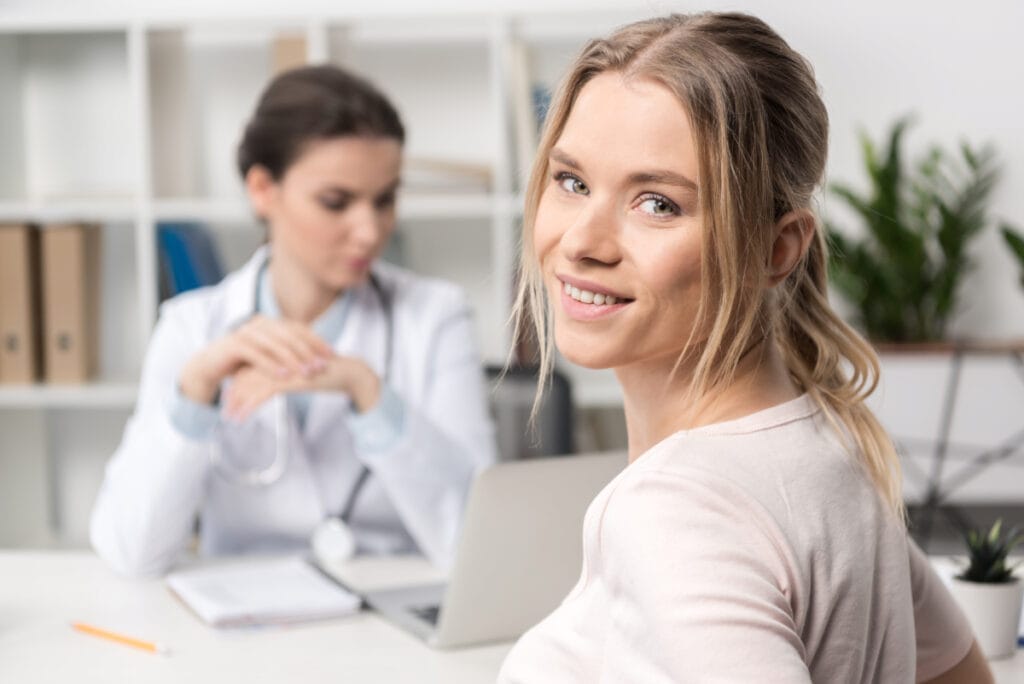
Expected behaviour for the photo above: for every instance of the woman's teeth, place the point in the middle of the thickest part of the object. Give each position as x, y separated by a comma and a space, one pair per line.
588, 297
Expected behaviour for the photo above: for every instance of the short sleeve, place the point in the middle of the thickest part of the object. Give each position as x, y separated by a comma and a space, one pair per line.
699, 586
943, 634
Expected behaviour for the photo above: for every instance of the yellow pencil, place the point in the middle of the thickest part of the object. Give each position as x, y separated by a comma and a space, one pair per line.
119, 638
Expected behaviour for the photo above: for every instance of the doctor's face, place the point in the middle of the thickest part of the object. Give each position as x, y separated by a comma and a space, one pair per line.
618, 230
333, 210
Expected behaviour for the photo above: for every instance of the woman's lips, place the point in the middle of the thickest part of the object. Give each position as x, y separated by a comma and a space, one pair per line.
589, 286
581, 311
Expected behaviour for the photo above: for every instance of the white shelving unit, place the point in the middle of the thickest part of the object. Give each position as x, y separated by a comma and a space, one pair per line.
130, 120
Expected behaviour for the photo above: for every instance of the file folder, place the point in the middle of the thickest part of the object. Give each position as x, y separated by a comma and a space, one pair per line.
20, 353
71, 281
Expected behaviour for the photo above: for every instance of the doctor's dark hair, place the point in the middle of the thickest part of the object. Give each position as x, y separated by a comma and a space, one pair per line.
312, 103
760, 131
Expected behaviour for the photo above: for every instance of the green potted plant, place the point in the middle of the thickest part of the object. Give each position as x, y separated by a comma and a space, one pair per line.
1016, 243
903, 275
988, 592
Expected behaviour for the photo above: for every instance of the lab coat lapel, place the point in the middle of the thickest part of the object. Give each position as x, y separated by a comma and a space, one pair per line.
240, 298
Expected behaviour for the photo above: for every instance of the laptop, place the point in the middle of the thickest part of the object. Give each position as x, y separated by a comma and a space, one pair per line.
519, 553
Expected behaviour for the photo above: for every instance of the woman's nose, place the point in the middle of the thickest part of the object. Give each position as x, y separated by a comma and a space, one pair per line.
366, 225
593, 235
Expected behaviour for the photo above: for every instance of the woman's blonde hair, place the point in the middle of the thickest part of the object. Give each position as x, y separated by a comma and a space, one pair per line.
761, 135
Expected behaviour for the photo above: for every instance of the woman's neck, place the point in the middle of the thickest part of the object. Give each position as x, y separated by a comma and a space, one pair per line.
299, 296
657, 407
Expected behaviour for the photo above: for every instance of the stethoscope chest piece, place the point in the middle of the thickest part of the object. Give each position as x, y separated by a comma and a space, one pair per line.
333, 541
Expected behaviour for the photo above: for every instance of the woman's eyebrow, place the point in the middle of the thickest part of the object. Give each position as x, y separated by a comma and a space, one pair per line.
663, 177
638, 178
563, 158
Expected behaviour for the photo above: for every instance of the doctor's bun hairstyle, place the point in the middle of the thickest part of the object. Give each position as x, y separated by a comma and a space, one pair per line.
313, 103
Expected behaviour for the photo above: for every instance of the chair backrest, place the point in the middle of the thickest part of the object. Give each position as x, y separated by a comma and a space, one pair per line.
511, 400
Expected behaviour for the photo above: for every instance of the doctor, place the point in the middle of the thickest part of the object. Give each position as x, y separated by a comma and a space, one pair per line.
315, 393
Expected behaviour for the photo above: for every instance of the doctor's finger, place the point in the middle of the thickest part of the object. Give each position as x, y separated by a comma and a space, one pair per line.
253, 352
309, 348
305, 335
270, 345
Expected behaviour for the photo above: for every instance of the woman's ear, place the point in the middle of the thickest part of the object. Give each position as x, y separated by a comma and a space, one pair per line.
793, 235
261, 188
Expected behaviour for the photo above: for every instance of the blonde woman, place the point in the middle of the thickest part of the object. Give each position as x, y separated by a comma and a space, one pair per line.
757, 534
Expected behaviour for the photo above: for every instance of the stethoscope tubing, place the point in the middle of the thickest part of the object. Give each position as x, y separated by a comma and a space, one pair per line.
264, 477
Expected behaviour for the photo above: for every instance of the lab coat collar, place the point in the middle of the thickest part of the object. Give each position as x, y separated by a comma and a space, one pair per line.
240, 290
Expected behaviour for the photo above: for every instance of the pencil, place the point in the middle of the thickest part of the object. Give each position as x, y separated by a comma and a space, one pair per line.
119, 638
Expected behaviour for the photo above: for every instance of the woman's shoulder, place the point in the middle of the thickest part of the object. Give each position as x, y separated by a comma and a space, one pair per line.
794, 475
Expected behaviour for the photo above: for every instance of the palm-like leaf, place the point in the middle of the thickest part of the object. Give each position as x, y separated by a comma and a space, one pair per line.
1016, 243
903, 275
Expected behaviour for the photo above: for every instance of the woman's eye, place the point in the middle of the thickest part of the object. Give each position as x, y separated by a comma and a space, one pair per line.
659, 206
334, 204
385, 202
571, 183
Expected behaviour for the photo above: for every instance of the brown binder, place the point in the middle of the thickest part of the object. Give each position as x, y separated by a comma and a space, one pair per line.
289, 52
71, 280
20, 353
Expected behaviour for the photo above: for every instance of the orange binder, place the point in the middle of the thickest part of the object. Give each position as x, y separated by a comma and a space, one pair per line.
20, 353
71, 280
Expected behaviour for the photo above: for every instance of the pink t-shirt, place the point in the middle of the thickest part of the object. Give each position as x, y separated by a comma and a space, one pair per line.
755, 550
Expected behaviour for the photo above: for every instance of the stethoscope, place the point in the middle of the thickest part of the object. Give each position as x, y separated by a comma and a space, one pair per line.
333, 539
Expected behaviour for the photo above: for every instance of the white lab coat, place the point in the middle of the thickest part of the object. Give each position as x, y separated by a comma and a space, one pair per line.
159, 480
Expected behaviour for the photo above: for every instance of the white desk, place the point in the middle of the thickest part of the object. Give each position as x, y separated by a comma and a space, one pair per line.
41, 593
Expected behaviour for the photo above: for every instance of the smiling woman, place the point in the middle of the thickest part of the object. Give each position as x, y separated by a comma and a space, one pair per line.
314, 394
757, 534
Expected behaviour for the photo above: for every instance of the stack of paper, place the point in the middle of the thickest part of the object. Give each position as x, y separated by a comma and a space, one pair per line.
262, 591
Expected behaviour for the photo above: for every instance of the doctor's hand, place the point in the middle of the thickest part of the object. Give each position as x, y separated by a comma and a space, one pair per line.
252, 386
277, 348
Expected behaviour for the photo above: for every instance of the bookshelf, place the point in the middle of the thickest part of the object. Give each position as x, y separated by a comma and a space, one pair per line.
159, 103
125, 119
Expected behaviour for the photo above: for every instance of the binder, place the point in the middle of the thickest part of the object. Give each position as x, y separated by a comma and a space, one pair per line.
70, 260
20, 353
290, 51
188, 258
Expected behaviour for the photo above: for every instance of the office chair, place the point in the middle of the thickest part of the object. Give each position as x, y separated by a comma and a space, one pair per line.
511, 400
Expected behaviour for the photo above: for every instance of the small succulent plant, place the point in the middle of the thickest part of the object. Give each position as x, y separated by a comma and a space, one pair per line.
988, 553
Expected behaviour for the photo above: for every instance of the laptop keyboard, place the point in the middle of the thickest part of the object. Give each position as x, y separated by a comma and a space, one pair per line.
428, 613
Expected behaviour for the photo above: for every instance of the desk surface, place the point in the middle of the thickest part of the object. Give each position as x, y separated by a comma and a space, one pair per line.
41, 593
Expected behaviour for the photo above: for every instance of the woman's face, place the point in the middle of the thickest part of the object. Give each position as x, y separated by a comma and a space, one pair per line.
333, 210
619, 217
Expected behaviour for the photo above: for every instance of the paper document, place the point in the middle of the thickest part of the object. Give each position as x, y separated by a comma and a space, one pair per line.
255, 592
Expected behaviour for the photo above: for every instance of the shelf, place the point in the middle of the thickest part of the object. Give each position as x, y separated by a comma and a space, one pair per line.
412, 206
107, 394
53, 20
426, 33
101, 211
203, 209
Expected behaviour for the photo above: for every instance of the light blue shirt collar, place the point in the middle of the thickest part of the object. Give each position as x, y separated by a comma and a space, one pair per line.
327, 326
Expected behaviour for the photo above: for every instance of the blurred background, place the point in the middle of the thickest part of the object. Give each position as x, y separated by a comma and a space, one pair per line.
119, 120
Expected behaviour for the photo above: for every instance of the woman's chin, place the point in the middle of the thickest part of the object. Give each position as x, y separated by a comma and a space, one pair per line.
586, 355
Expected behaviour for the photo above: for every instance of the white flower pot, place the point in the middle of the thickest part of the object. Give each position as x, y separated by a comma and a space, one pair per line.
994, 613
